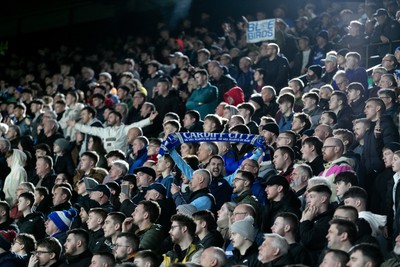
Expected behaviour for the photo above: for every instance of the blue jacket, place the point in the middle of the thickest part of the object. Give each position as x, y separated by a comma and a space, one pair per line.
358, 75
167, 181
233, 158
138, 161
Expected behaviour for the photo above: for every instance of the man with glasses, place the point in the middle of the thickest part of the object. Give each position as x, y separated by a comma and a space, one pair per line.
47, 253
251, 165
125, 247
242, 184
182, 233
332, 152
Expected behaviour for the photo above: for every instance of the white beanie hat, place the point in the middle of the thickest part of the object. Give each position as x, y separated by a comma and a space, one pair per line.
245, 228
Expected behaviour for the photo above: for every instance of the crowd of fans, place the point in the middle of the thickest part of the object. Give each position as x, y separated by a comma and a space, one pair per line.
83, 184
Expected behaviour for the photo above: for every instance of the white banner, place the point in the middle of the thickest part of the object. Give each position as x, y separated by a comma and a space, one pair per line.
261, 30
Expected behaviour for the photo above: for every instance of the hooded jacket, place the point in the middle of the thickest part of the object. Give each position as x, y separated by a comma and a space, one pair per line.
236, 93
16, 176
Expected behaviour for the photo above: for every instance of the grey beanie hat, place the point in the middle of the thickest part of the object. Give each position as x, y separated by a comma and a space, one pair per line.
187, 209
89, 182
62, 143
245, 228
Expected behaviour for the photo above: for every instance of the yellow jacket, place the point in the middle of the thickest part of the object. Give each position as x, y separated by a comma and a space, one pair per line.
193, 255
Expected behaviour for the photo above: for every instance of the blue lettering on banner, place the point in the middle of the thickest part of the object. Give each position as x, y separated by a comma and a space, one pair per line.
261, 30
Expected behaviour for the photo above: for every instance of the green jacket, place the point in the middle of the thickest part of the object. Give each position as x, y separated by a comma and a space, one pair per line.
150, 238
247, 198
392, 262
204, 100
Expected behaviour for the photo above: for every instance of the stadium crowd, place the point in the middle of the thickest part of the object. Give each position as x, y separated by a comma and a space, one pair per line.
83, 183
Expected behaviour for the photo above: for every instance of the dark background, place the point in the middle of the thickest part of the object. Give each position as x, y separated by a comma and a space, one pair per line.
31, 24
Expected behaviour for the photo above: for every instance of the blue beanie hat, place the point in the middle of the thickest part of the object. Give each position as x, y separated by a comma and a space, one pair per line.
63, 219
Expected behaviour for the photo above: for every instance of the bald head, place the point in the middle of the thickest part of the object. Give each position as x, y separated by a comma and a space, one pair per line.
332, 149
133, 133
242, 211
335, 141
213, 257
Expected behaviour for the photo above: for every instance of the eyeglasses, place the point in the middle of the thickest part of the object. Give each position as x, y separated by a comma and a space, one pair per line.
116, 246
41, 252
